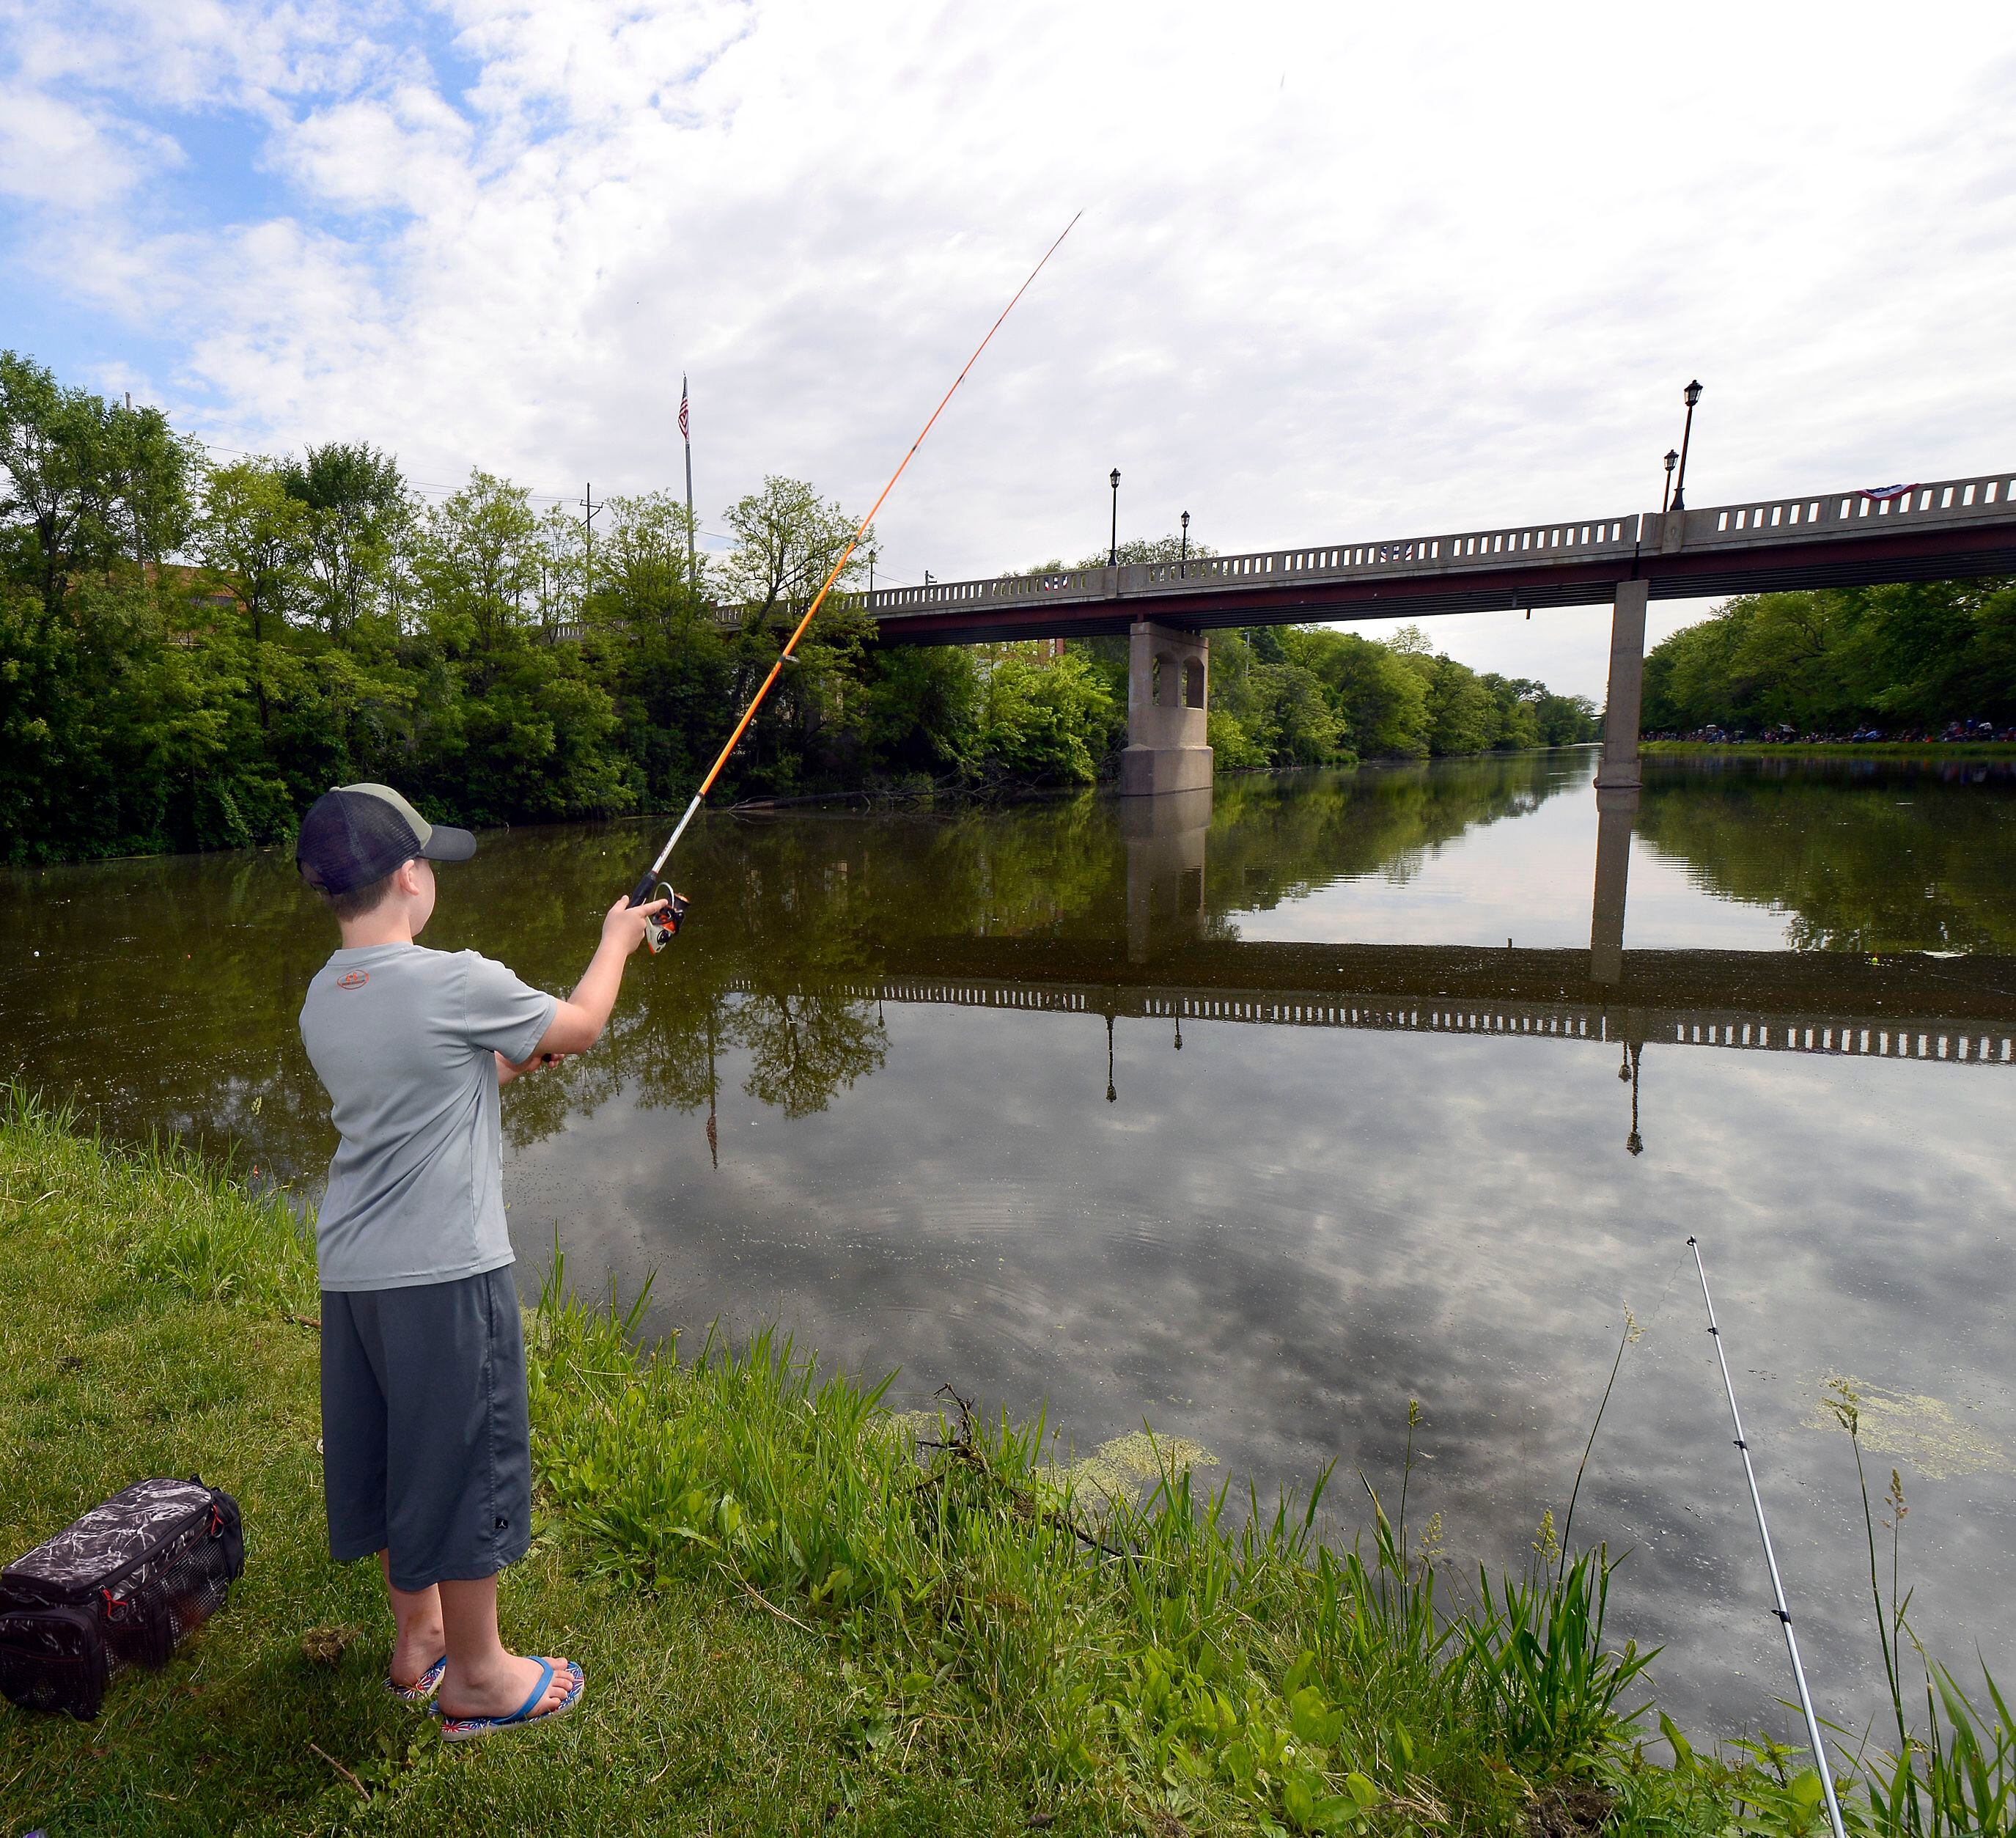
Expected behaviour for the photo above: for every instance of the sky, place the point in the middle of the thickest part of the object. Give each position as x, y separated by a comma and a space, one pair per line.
1343, 272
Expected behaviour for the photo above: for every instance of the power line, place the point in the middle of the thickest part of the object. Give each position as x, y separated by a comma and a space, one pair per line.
431, 487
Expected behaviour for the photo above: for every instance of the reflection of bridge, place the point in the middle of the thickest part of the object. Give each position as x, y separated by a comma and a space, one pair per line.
1957, 1011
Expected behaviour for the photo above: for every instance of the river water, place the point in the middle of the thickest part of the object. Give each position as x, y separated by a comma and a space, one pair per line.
1254, 1115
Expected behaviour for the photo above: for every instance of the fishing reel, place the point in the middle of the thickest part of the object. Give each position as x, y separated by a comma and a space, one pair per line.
660, 928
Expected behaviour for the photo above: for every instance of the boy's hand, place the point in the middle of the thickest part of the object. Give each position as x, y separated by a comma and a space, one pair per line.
623, 925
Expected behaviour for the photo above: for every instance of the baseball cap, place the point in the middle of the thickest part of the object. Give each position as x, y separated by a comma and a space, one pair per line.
356, 834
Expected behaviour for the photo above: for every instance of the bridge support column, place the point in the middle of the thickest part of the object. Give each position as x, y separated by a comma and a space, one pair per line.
1167, 690
1627, 686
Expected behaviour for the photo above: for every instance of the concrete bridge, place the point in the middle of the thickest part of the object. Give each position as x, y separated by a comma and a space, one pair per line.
1951, 527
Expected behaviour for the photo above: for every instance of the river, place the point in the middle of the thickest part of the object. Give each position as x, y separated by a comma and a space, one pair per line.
1254, 1115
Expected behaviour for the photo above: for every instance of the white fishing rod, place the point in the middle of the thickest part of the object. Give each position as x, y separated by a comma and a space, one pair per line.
1770, 1558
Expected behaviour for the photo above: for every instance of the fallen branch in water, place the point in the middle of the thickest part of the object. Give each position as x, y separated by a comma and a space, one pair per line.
965, 1448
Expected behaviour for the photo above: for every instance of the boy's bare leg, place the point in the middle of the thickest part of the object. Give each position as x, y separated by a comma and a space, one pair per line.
483, 1679
419, 1641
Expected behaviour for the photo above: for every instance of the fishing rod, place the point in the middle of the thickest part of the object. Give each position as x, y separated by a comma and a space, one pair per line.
1777, 1587
662, 927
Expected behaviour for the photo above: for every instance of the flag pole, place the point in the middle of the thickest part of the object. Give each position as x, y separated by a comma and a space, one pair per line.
686, 433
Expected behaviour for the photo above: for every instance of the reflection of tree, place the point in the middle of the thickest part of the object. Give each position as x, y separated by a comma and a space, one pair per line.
166, 992
803, 1048
1278, 838
1897, 860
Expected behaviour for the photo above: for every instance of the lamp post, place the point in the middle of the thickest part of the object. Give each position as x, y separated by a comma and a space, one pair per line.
1692, 393
1183, 565
1666, 496
1113, 547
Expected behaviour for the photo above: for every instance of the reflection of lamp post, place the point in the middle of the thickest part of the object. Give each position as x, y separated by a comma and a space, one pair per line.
1634, 1142
1113, 548
1111, 1095
1692, 393
1666, 496
1179, 1033
713, 1130
1183, 566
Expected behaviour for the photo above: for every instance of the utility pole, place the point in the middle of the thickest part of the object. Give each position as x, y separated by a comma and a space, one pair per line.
685, 434
589, 506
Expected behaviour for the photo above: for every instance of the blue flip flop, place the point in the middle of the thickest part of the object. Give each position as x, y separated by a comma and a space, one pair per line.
422, 1687
462, 1729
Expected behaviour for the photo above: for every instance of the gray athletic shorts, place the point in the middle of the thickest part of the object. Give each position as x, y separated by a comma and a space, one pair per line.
426, 1447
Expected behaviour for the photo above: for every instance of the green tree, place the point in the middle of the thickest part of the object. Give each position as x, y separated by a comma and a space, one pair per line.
477, 561
90, 483
255, 540
1045, 721
787, 539
360, 516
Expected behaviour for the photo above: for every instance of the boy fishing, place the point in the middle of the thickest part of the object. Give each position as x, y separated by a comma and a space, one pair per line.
426, 1458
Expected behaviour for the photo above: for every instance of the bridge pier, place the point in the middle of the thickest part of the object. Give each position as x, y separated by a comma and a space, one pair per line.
1619, 771
1167, 689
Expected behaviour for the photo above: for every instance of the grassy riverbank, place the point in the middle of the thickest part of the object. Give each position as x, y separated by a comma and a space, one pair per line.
796, 1613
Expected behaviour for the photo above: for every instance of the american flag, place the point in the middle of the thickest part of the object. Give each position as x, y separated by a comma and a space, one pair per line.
685, 429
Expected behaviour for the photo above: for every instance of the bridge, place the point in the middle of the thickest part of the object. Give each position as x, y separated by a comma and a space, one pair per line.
1951, 528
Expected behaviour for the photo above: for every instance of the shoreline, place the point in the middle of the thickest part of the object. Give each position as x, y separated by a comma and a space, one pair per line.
1931, 751
797, 1611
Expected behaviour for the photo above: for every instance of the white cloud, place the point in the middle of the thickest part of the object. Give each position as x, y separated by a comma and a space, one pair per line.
1341, 273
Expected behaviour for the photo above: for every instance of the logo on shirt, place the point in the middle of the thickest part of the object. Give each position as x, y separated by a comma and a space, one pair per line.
356, 980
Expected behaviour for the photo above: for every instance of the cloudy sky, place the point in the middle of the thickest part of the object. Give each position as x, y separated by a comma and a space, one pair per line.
1343, 272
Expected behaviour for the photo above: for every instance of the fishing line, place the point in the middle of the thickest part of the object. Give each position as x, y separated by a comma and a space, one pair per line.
1777, 1587
663, 928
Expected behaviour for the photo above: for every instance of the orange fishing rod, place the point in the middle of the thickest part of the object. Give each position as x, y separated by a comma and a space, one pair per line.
666, 924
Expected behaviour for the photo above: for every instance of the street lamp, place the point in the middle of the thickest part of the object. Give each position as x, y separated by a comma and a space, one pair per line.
1666, 496
1113, 548
1183, 566
1692, 393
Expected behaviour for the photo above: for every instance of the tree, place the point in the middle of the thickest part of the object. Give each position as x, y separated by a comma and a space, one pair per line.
786, 540
255, 539
90, 483
359, 517
478, 564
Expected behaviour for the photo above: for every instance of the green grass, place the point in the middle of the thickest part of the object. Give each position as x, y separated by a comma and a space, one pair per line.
798, 1612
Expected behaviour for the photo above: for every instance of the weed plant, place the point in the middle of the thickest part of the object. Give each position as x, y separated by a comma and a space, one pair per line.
1211, 1665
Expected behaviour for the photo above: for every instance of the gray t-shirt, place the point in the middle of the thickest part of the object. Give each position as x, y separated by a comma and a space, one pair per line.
401, 1037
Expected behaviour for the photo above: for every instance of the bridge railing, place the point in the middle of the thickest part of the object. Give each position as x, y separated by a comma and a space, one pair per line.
1585, 540
1980, 497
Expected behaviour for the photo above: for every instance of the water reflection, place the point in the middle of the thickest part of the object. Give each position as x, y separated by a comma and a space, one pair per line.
1255, 1118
